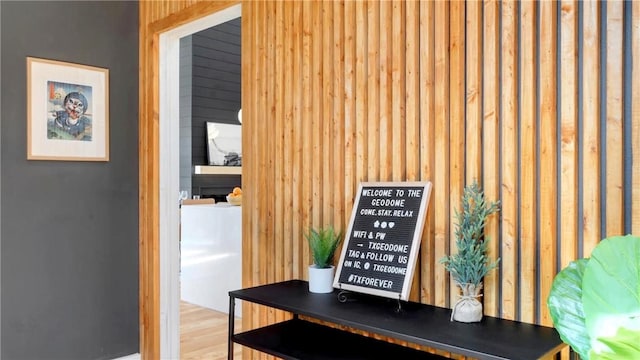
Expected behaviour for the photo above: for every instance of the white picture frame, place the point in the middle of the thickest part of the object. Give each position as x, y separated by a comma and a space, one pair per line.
67, 111
224, 144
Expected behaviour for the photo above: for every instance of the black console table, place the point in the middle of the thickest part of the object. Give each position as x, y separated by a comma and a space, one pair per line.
492, 338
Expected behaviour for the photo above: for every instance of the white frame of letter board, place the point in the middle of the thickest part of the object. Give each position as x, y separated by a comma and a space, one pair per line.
415, 243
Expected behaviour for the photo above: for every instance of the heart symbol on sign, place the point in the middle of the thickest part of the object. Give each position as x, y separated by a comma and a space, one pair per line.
392, 224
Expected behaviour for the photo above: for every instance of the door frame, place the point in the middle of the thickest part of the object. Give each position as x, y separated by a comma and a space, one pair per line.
159, 297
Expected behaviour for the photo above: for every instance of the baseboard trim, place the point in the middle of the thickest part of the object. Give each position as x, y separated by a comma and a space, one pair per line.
130, 357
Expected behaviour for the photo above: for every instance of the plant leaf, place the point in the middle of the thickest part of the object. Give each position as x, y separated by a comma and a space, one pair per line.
565, 306
611, 288
624, 345
323, 244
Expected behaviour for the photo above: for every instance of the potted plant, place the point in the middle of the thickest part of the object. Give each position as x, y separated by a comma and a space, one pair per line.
471, 263
595, 302
323, 243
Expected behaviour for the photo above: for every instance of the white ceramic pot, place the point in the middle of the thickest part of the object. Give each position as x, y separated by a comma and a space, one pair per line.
321, 279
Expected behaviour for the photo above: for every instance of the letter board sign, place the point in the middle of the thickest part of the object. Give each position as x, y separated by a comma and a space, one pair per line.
383, 238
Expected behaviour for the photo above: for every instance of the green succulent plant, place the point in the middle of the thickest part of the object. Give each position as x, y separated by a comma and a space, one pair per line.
471, 263
323, 243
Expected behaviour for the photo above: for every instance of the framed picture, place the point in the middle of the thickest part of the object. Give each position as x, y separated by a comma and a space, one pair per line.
67, 111
224, 144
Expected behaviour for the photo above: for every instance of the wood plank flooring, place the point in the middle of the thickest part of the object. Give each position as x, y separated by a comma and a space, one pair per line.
203, 333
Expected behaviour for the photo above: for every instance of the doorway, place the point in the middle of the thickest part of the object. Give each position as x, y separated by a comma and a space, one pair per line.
169, 179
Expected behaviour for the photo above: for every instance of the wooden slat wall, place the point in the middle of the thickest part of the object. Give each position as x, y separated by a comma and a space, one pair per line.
338, 92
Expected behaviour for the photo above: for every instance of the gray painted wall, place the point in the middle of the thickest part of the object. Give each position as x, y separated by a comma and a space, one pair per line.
69, 234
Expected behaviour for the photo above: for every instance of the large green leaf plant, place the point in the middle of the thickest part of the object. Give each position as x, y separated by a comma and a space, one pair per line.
595, 302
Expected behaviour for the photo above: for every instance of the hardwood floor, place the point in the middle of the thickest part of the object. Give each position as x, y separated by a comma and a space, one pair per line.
203, 333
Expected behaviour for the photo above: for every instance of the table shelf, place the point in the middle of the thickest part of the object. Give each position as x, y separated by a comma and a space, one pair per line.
416, 323
298, 340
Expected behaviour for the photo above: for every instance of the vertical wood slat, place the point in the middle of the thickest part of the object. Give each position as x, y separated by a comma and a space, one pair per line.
263, 247
373, 81
568, 137
341, 214
473, 92
297, 221
614, 127
250, 232
568, 134
149, 185
568, 236
412, 90
441, 178
427, 137
270, 132
253, 165
412, 105
509, 160
401, 64
591, 129
548, 148
312, 75
278, 98
328, 215
249, 96
386, 52
490, 139
398, 93
528, 160
317, 114
349, 106
360, 92
635, 119
386, 41
287, 158
456, 122
306, 204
